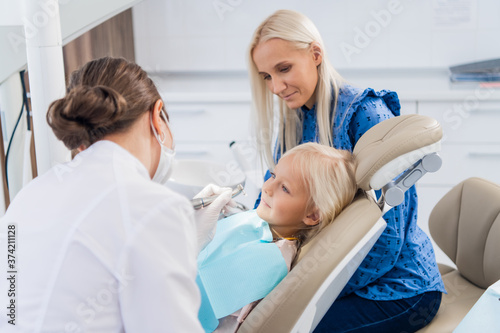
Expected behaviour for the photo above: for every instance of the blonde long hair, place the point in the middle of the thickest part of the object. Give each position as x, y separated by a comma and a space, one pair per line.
298, 29
329, 174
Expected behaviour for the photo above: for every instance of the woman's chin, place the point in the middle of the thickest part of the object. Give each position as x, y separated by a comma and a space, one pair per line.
293, 104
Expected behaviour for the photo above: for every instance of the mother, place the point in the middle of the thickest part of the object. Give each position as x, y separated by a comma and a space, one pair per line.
399, 276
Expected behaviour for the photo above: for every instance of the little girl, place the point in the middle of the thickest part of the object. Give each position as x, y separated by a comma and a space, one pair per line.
254, 250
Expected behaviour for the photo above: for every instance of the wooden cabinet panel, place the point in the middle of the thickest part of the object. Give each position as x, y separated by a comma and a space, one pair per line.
113, 37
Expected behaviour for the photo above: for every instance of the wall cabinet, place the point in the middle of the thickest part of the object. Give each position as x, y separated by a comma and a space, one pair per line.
203, 129
210, 122
470, 148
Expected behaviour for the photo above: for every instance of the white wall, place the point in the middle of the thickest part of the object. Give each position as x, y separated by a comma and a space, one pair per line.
201, 35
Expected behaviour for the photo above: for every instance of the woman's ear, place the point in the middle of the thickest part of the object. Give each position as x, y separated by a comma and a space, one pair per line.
312, 218
156, 116
317, 53
81, 148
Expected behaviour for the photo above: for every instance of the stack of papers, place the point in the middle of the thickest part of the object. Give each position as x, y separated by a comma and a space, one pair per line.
483, 71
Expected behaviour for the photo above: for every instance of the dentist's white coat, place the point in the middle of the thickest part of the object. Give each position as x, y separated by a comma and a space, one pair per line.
101, 248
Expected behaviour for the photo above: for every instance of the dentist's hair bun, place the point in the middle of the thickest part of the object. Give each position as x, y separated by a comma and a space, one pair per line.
104, 96
86, 114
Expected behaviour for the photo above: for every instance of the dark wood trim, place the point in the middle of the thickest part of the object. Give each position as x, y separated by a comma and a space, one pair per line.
34, 169
6, 194
114, 37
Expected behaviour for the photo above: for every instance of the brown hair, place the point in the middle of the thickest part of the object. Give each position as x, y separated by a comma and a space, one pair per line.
105, 96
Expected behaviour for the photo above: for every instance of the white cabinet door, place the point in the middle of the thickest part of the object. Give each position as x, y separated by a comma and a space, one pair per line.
471, 140
466, 122
210, 122
461, 161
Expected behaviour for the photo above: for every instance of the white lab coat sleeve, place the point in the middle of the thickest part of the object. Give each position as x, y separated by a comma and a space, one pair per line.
160, 293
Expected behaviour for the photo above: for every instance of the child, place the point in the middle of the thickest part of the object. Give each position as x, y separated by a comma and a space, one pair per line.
253, 251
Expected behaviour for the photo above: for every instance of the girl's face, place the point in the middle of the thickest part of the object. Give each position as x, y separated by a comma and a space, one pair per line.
290, 73
284, 200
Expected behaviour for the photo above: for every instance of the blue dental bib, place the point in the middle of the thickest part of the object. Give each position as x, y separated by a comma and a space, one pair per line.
239, 266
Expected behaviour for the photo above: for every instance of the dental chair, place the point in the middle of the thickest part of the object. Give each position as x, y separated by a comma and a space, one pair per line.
391, 156
465, 224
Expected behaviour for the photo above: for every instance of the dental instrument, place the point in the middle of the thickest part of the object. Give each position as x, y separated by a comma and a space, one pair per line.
199, 203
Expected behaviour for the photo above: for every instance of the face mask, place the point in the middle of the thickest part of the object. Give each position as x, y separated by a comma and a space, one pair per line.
164, 169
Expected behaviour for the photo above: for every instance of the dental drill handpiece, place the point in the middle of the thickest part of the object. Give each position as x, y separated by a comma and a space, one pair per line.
200, 203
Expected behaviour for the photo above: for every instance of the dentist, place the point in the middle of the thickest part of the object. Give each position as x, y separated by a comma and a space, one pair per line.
102, 246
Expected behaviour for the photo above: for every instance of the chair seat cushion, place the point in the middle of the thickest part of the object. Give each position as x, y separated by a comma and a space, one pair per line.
462, 295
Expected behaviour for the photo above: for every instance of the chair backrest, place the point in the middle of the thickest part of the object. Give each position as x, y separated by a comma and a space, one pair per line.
327, 262
465, 224
335, 253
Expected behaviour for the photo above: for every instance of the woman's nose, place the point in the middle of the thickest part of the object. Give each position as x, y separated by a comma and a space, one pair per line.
277, 86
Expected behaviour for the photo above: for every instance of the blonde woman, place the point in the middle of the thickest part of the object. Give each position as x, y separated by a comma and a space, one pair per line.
399, 276
252, 251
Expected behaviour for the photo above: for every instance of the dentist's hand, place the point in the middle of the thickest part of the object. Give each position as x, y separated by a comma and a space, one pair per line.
207, 217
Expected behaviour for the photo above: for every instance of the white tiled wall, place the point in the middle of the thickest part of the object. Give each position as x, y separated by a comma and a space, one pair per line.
213, 35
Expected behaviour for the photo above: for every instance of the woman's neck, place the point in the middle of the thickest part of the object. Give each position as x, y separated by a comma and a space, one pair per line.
312, 100
139, 142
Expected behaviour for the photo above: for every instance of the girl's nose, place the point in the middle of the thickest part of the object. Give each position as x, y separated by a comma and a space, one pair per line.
267, 188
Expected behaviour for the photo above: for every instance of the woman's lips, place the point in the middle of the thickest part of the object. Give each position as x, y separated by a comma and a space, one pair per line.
287, 97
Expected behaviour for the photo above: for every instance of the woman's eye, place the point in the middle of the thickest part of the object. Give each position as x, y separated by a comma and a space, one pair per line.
285, 69
266, 77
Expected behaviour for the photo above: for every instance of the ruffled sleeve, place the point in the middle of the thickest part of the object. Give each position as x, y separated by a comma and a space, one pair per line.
359, 110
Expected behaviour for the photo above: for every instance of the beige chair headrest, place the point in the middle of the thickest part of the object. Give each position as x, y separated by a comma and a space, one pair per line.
465, 224
392, 146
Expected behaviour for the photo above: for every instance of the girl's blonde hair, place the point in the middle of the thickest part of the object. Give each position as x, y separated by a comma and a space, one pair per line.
296, 28
329, 174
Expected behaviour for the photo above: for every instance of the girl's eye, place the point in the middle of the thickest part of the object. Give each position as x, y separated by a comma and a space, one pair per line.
285, 189
273, 175
266, 77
